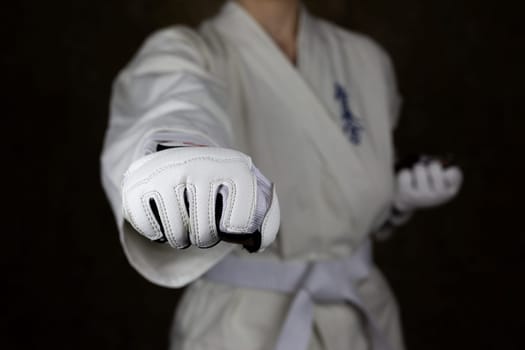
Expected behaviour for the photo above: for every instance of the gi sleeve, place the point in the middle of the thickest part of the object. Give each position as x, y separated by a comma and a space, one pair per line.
165, 93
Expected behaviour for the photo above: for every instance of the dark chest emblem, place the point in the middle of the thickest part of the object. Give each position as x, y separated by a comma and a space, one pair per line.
352, 126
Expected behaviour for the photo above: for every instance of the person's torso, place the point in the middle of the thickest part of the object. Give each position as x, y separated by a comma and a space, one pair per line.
320, 130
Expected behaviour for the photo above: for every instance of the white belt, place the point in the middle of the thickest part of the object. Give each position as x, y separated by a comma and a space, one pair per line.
310, 282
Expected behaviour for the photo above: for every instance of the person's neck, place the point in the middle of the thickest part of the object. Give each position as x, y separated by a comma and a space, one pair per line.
279, 18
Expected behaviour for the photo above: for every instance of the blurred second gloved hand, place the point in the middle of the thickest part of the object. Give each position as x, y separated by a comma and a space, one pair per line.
426, 184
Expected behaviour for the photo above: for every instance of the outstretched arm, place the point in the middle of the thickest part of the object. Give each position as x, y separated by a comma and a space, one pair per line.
167, 97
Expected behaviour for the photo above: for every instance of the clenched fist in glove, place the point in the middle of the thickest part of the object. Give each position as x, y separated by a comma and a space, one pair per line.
199, 196
427, 183
421, 182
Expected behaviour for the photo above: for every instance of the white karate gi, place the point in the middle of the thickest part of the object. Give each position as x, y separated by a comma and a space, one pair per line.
229, 85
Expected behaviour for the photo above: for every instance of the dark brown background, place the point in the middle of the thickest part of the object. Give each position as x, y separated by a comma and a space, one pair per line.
457, 271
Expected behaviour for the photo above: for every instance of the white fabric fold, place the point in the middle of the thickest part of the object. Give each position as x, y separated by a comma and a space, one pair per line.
310, 282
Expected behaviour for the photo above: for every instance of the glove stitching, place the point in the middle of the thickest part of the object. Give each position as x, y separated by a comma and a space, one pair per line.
133, 222
179, 189
254, 198
173, 165
231, 194
152, 221
211, 209
165, 217
194, 219
162, 211
242, 228
231, 198
229, 212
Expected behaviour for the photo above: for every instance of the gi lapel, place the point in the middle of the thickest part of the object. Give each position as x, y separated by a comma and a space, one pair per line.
278, 72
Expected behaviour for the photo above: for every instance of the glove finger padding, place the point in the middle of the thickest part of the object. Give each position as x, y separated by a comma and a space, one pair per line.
406, 187
173, 195
437, 179
427, 184
423, 180
453, 179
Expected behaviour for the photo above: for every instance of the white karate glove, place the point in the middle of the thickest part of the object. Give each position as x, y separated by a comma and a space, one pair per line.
427, 184
199, 196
